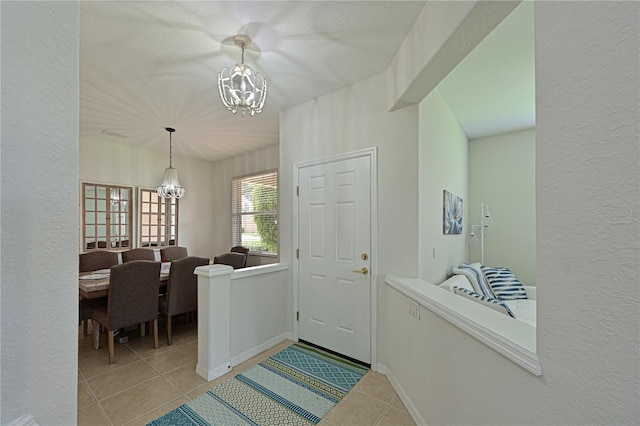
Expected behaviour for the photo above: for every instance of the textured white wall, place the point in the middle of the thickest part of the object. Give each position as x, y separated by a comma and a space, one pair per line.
443, 165
588, 203
588, 254
220, 189
117, 163
39, 176
502, 175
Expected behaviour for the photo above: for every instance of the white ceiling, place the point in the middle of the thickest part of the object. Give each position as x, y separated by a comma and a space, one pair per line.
145, 66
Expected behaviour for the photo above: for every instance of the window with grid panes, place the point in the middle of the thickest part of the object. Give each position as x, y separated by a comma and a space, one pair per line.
106, 216
158, 225
254, 212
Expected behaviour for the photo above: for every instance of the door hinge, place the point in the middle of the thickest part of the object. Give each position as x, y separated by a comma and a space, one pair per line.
297, 253
297, 315
298, 191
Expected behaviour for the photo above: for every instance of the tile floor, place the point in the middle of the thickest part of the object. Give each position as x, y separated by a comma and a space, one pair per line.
145, 383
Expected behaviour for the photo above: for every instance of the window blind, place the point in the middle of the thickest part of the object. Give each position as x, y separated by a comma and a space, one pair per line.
254, 212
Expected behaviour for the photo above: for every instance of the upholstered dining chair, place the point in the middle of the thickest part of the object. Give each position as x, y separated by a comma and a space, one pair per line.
237, 260
168, 254
93, 261
182, 289
243, 250
138, 254
132, 299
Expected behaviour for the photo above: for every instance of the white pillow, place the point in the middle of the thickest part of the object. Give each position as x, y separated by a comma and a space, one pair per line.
524, 310
457, 281
470, 276
475, 275
495, 304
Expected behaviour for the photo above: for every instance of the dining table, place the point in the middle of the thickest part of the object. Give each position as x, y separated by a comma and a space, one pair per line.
95, 284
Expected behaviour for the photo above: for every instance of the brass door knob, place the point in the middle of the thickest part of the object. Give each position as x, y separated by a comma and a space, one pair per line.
363, 271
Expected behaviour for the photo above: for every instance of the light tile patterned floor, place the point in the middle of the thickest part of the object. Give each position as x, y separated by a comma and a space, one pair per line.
145, 383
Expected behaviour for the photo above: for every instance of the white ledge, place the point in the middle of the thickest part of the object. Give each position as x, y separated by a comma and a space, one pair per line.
217, 269
258, 270
212, 270
514, 339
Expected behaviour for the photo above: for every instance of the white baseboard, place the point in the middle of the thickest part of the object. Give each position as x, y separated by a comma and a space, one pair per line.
250, 353
413, 411
214, 373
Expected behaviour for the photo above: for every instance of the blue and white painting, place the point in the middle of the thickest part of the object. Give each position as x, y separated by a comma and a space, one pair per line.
452, 214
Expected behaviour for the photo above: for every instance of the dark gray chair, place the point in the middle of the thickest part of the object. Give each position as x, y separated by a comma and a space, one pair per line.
138, 254
93, 261
243, 250
132, 299
237, 260
182, 289
168, 254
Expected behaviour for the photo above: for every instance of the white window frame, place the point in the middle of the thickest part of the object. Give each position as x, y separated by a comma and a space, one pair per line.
242, 210
98, 211
164, 236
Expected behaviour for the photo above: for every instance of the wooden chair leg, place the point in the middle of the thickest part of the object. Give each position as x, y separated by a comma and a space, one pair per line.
143, 327
85, 327
169, 330
155, 333
112, 354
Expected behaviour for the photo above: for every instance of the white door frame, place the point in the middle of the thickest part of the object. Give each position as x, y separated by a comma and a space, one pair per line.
372, 154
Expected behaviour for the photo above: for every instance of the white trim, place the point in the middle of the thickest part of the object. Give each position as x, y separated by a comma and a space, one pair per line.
250, 353
213, 373
514, 339
372, 153
251, 271
215, 269
411, 408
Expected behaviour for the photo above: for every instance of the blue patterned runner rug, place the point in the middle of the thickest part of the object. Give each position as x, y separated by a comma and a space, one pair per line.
296, 386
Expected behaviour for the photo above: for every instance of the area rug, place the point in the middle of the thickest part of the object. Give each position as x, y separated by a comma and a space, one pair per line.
296, 386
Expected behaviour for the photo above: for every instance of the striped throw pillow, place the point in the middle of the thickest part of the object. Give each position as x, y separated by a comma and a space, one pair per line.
495, 304
504, 284
475, 275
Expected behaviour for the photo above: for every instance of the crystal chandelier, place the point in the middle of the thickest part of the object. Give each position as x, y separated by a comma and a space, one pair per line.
240, 87
170, 187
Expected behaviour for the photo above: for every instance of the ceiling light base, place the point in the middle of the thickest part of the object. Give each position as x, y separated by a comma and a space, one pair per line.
242, 40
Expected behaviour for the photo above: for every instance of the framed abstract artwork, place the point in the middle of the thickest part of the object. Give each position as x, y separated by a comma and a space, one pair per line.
451, 213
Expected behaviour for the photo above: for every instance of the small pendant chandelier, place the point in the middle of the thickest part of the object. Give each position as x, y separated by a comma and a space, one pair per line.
170, 187
240, 87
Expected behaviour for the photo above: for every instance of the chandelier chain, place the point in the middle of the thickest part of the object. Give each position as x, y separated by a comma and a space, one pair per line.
170, 152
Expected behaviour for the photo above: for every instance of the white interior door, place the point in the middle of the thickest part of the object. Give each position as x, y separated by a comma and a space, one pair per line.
334, 233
